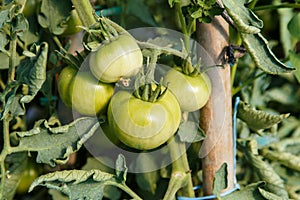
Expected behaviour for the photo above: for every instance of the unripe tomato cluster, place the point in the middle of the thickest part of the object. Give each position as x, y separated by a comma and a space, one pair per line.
142, 123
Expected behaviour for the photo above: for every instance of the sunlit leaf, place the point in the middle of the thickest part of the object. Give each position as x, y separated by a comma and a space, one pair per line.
264, 58
220, 180
32, 72
54, 144
269, 195
53, 15
244, 19
258, 119
77, 184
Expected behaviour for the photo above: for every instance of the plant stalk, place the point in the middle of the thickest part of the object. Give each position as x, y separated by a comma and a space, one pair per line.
85, 12
12, 58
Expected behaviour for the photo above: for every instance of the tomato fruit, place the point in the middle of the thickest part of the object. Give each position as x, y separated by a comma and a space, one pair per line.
30, 7
81, 91
192, 92
141, 124
31, 172
116, 59
72, 24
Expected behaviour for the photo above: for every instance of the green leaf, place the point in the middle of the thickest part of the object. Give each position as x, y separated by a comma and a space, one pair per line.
77, 184
249, 192
54, 144
244, 19
172, 2
287, 159
220, 180
295, 61
138, 9
19, 24
17, 164
4, 60
32, 72
258, 119
294, 26
257, 47
110, 192
121, 168
149, 178
53, 15
190, 131
266, 173
31, 36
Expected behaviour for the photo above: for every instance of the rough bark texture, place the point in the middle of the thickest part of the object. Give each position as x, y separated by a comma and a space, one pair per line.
216, 116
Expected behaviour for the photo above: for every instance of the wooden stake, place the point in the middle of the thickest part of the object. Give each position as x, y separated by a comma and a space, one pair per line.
216, 116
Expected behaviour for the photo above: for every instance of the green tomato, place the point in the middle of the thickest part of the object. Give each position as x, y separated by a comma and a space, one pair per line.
31, 172
72, 24
192, 92
81, 91
30, 7
143, 125
116, 59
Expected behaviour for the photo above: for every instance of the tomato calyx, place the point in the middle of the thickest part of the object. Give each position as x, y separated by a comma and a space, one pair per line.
71, 60
150, 92
189, 69
100, 33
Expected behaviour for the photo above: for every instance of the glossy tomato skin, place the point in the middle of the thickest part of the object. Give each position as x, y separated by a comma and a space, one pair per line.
192, 92
30, 7
65, 79
81, 91
31, 172
116, 59
143, 125
72, 24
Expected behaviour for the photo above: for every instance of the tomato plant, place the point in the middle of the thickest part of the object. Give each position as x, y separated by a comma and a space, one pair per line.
83, 92
118, 58
191, 91
143, 124
151, 122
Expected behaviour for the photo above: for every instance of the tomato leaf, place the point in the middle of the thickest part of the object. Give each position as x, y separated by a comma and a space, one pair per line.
138, 9
121, 168
264, 58
77, 184
249, 192
190, 131
148, 179
53, 14
294, 26
17, 164
268, 195
32, 72
265, 171
295, 61
289, 160
244, 19
54, 144
220, 180
258, 119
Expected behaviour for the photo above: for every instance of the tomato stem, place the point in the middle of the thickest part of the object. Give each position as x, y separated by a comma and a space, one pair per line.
85, 12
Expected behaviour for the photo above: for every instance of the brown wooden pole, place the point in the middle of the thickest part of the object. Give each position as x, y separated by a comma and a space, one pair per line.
216, 116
